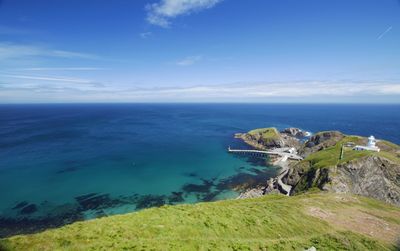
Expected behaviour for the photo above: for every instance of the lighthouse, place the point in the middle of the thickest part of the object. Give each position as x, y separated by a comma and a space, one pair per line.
371, 145
371, 141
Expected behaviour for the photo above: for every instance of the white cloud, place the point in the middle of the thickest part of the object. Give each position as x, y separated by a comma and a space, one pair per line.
22, 51
62, 69
189, 60
317, 91
160, 13
45, 78
277, 90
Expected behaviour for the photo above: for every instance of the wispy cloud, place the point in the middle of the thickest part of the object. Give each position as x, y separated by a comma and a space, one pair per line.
384, 33
189, 60
62, 69
162, 12
52, 79
21, 51
145, 35
7, 30
276, 90
316, 91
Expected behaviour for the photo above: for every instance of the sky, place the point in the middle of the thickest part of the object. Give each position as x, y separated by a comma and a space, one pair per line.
285, 51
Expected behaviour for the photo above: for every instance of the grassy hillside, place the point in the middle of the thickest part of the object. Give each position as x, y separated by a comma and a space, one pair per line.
265, 134
330, 157
326, 221
318, 166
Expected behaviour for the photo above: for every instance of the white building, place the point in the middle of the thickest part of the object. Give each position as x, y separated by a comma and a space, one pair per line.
371, 146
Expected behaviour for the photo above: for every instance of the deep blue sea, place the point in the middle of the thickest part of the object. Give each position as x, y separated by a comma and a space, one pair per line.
67, 162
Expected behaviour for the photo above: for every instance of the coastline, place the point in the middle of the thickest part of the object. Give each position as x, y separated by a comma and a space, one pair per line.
274, 185
287, 139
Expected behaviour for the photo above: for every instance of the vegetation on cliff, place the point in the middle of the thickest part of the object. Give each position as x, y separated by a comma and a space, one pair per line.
326, 221
263, 138
330, 157
265, 134
332, 164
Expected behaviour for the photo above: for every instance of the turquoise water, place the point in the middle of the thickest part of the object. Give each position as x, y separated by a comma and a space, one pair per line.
62, 163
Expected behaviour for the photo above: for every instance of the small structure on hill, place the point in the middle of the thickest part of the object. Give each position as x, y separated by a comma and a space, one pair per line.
350, 144
371, 146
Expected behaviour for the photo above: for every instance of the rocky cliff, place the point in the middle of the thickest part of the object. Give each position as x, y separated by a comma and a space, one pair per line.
265, 138
330, 164
366, 173
371, 176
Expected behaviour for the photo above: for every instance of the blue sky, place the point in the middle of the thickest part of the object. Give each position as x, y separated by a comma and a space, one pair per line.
200, 51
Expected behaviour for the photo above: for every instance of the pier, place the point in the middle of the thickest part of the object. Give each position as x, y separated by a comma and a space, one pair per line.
281, 152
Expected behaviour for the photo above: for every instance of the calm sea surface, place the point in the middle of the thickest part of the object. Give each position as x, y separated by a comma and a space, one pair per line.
61, 163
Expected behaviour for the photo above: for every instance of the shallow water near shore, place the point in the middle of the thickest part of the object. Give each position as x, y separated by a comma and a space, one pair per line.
62, 163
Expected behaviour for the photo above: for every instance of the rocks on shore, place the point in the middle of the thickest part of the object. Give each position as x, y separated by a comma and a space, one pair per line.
295, 132
270, 188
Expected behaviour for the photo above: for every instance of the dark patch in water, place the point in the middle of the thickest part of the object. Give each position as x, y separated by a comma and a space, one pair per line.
256, 171
243, 181
199, 188
85, 197
20, 205
191, 175
100, 214
68, 170
31, 208
256, 161
13, 226
210, 196
150, 200
176, 197
96, 201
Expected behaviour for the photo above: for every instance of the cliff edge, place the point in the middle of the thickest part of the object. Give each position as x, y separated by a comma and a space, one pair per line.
331, 164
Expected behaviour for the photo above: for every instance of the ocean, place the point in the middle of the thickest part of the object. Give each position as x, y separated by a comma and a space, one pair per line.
61, 163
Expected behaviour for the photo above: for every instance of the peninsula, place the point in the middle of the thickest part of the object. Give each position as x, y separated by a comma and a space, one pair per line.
329, 161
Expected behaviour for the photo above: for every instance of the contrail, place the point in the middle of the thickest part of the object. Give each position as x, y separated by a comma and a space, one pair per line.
384, 33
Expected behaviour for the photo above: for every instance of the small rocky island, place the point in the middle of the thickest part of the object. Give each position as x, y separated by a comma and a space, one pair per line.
329, 163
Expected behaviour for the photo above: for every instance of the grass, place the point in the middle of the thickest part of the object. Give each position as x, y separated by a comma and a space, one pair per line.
265, 133
271, 222
316, 167
329, 157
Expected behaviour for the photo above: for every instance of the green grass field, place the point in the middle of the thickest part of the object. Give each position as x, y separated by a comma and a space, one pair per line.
265, 133
329, 157
273, 222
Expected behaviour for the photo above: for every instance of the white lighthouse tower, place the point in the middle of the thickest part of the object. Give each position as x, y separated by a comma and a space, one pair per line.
371, 141
371, 146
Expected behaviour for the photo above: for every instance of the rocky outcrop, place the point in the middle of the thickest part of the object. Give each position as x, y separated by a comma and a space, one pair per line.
266, 138
371, 176
320, 141
270, 188
294, 132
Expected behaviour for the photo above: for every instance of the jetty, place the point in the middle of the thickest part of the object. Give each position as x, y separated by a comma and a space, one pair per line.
281, 152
